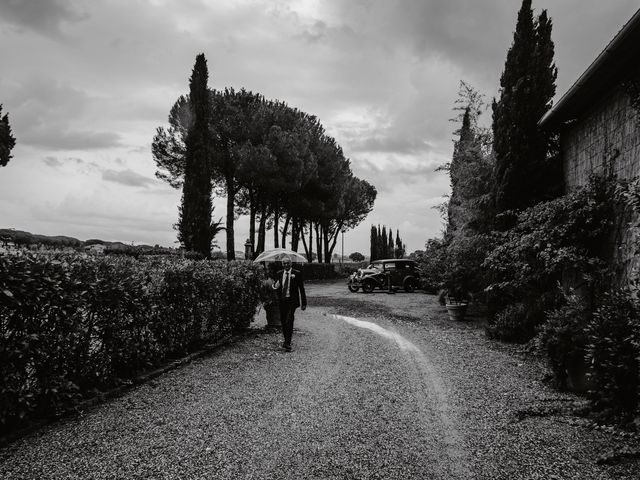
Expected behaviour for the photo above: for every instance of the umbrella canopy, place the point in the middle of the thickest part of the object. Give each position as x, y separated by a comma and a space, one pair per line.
276, 254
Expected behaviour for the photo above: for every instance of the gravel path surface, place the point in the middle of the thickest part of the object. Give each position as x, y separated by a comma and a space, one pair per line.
378, 386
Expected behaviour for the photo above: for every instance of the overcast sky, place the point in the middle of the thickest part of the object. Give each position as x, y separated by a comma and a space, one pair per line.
86, 83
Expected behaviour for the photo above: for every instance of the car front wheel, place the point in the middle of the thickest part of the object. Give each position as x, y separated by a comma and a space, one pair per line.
410, 286
368, 286
353, 289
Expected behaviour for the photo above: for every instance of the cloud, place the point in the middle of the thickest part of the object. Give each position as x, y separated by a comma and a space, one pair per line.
127, 177
388, 141
52, 162
54, 137
52, 114
43, 16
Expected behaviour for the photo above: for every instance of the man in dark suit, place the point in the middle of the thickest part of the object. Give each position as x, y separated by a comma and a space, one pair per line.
290, 286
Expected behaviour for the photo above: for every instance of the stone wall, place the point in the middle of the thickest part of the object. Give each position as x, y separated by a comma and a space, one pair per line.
607, 139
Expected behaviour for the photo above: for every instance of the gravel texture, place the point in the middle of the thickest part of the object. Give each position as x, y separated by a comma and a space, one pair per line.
410, 395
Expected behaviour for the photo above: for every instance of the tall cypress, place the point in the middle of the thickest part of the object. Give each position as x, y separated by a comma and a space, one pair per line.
379, 244
373, 244
390, 249
384, 242
527, 86
194, 225
7, 140
454, 219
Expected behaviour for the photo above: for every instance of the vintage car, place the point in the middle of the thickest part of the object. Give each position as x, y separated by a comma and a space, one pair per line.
402, 272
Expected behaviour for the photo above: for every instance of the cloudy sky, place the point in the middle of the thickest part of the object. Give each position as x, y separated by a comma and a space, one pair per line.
86, 83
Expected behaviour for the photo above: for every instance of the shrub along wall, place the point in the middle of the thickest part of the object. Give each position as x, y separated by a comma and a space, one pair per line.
71, 325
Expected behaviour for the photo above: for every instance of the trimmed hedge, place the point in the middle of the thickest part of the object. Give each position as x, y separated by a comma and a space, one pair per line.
71, 325
310, 271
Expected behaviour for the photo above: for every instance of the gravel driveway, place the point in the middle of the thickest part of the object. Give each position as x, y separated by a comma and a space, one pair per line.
377, 386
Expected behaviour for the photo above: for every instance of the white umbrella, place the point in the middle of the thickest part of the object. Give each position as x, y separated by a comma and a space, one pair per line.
276, 254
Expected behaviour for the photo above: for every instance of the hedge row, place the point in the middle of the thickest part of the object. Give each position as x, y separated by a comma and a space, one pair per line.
72, 325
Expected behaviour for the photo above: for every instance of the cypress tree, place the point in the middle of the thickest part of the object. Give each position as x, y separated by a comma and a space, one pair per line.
460, 146
390, 249
194, 225
527, 86
379, 244
374, 244
385, 244
7, 140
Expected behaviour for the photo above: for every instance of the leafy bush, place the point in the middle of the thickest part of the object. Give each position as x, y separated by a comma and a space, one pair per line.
432, 264
548, 240
515, 323
71, 324
563, 339
613, 353
356, 257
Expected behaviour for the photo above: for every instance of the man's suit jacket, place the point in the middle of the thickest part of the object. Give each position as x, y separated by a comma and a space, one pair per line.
296, 287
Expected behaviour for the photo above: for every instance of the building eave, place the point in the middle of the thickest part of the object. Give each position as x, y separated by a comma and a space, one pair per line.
612, 66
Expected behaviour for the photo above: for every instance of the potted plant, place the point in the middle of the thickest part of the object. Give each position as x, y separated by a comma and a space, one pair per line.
456, 300
269, 298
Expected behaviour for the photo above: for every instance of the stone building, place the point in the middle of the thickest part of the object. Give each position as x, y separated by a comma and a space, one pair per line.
598, 121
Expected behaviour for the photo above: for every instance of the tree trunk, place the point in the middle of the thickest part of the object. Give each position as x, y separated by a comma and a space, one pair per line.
308, 248
285, 230
262, 229
325, 242
334, 240
295, 234
276, 218
252, 221
319, 241
231, 244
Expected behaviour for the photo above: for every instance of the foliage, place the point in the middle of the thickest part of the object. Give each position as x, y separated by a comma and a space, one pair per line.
356, 257
432, 265
526, 171
563, 339
515, 323
551, 238
195, 229
273, 162
464, 275
613, 353
7, 140
73, 324
383, 245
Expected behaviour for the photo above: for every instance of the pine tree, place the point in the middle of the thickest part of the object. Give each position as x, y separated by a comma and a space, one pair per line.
194, 226
527, 86
7, 140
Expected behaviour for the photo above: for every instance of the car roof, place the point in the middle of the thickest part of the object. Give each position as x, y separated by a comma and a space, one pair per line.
388, 260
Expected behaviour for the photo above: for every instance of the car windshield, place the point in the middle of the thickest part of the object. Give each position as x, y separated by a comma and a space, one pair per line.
374, 266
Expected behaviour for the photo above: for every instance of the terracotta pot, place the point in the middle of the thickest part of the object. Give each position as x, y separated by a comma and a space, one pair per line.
457, 311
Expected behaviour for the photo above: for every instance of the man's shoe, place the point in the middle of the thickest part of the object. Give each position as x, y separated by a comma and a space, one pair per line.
287, 347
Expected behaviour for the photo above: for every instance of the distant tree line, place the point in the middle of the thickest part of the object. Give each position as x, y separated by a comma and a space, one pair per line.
273, 162
383, 245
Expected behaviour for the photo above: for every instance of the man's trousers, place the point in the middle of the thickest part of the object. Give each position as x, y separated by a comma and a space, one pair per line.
287, 311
